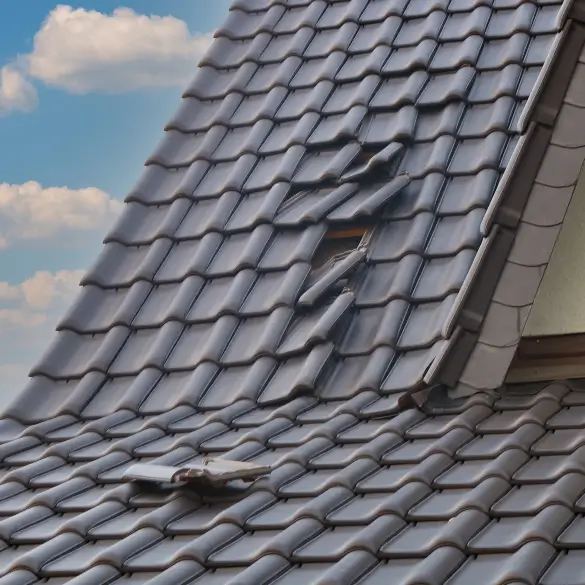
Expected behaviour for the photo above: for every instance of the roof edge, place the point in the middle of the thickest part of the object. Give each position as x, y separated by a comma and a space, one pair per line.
480, 357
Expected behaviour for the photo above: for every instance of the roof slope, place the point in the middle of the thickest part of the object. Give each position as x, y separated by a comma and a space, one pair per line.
203, 329
287, 100
524, 218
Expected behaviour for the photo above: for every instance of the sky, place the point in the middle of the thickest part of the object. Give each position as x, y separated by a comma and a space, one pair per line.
85, 91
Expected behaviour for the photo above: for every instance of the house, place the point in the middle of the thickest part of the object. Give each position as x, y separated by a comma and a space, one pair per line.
336, 336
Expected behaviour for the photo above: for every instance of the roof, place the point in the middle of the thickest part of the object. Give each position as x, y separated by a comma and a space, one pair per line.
453, 131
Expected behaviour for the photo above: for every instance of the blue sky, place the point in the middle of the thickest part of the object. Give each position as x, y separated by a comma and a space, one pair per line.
69, 130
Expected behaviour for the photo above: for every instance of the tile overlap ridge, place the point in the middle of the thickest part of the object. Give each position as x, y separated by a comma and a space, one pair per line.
206, 330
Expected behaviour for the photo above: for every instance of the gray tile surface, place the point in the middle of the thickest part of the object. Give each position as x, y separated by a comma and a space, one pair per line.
389, 498
204, 328
536, 234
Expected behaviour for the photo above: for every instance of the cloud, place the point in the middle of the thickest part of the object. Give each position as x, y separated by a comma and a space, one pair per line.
16, 319
14, 378
31, 213
85, 50
16, 93
42, 291
29, 313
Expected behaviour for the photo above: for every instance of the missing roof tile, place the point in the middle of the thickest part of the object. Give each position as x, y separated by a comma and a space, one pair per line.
333, 278
338, 242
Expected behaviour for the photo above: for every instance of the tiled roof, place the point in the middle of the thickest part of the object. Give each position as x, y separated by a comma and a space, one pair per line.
206, 328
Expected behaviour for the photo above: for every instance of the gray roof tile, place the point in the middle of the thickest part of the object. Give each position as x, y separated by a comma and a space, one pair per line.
523, 566
489, 85
446, 504
566, 567
527, 81
422, 537
418, 8
507, 534
432, 124
368, 36
456, 54
434, 569
141, 224
526, 500
378, 10
391, 93
497, 53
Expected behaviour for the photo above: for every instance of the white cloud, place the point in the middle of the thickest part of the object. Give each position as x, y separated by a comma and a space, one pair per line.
29, 313
16, 93
17, 319
14, 378
85, 50
42, 291
30, 213
40, 299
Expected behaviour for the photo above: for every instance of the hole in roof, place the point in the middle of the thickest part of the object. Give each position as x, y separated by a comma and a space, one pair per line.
365, 156
337, 242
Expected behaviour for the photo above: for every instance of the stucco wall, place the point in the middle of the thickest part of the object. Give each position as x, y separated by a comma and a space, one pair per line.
559, 307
